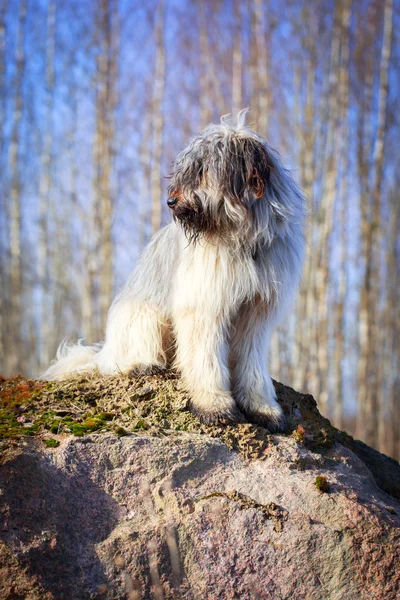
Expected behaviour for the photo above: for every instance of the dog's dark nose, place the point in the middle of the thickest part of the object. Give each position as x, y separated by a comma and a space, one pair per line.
171, 202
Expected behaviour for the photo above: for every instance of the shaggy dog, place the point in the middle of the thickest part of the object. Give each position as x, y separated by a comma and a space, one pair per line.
213, 283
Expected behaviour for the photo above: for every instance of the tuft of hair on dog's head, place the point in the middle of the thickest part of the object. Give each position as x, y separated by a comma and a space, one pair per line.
229, 185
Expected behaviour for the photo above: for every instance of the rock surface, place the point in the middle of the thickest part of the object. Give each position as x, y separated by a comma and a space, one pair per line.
180, 510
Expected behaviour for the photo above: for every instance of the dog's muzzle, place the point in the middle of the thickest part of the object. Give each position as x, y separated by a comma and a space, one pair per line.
194, 221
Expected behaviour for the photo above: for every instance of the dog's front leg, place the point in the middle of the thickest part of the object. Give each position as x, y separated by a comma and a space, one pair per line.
252, 386
202, 358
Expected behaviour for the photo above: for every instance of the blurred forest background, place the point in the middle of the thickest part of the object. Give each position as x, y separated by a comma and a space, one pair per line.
97, 98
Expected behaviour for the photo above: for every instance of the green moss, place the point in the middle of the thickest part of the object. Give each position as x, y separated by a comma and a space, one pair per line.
181, 427
8, 432
140, 424
92, 424
32, 429
47, 420
5, 415
105, 416
322, 485
51, 443
78, 430
120, 431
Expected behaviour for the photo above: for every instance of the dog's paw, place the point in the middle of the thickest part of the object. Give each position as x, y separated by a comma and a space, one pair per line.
269, 417
140, 370
260, 406
218, 409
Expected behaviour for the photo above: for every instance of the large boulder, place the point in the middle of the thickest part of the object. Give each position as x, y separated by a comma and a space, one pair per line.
118, 492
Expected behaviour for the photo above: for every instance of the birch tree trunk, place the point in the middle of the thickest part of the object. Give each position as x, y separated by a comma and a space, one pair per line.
3, 219
390, 429
107, 61
261, 89
374, 406
364, 167
145, 163
300, 346
82, 270
343, 217
158, 120
205, 79
305, 359
325, 226
15, 342
237, 60
369, 388
45, 183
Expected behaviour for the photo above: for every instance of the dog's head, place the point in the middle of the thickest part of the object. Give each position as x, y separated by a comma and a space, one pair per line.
229, 184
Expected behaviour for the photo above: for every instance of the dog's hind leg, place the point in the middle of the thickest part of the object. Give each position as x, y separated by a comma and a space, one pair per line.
253, 389
135, 338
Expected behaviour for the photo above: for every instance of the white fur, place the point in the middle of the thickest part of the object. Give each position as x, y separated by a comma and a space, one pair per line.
213, 300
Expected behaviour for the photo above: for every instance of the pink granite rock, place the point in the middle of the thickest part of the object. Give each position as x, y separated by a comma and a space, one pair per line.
146, 517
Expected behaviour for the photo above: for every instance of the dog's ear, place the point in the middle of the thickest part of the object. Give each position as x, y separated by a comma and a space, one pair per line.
257, 183
259, 174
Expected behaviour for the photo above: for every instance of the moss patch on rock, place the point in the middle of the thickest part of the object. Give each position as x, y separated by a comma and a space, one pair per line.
51, 443
147, 405
322, 485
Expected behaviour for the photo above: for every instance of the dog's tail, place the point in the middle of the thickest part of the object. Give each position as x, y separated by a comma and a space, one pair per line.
72, 360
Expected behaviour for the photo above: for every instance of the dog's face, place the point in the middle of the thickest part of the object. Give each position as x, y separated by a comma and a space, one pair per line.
216, 180
228, 184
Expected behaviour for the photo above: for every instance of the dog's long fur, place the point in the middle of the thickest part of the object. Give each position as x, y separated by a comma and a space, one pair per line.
212, 284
